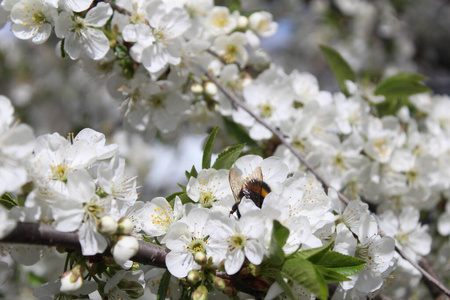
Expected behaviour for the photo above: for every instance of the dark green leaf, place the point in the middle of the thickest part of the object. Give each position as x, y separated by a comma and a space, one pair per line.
206, 160
343, 264
163, 286
63, 53
172, 196
303, 273
120, 51
285, 286
238, 133
227, 158
314, 254
235, 5
7, 201
278, 240
329, 275
339, 66
184, 198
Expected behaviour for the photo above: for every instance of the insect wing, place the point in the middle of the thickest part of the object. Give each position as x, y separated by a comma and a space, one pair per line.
236, 183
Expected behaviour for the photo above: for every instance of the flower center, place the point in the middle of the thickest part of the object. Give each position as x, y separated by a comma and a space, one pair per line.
157, 101
221, 20
162, 216
237, 242
60, 172
78, 25
266, 110
197, 245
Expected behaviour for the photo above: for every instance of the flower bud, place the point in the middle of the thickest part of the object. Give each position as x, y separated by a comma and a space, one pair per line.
200, 258
201, 293
125, 248
210, 88
125, 226
219, 283
193, 277
132, 288
196, 88
242, 22
72, 280
107, 225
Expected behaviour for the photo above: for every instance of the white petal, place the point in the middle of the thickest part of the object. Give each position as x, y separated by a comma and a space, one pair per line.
99, 15
234, 262
180, 263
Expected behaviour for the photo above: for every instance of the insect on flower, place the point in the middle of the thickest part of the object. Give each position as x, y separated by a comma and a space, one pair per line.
252, 187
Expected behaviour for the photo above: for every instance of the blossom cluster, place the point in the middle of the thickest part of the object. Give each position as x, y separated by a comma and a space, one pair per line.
154, 56
79, 184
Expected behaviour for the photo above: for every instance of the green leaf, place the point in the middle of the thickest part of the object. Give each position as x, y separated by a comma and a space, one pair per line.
184, 198
234, 5
206, 160
183, 187
402, 85
172, 196
280, 235
330, 275
120, 51
227, 158
314, 254
35, 280
303, 273
61, 48
7, 201
396, 89
343, 264
288, 291
238, 133
192, 173
341, 69
163, 286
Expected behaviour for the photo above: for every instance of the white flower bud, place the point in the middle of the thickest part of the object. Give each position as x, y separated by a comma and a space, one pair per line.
107, 225
242, 22
72, 280
210, 88
125, 248
125, 226
196, 88
200, 258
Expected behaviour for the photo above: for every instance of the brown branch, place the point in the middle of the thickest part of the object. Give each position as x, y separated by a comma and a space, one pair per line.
46, 235
118, 8
148, 254
237, 103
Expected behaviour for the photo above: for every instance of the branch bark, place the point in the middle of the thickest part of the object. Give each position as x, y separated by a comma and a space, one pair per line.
46, 235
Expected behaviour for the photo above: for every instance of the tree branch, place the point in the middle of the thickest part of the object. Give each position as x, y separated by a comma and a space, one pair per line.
237, 103
46, 235
148, 254
118, 8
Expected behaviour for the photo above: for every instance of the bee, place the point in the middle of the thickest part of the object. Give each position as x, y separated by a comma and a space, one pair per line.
253, 187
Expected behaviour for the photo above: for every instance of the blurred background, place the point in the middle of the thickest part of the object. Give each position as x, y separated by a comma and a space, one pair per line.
378, 38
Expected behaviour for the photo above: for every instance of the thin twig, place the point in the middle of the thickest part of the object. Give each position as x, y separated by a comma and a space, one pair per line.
427, 274
236, 102
118, 8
